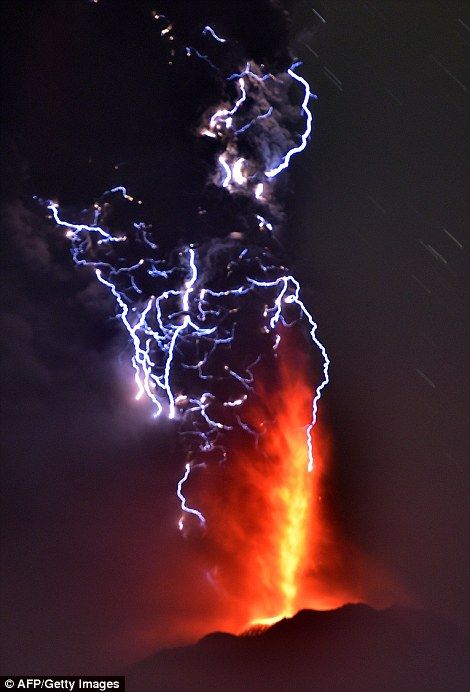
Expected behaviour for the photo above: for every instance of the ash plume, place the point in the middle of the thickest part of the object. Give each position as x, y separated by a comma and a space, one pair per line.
205, 317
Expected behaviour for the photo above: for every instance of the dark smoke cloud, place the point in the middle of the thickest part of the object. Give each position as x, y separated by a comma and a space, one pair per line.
92, 575
89, 504
55, 321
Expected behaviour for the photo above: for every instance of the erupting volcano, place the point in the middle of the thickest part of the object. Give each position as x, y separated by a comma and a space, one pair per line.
218, 341
234, 335
263, 509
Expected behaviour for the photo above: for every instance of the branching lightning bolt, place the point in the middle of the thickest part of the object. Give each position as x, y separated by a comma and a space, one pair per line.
184, 331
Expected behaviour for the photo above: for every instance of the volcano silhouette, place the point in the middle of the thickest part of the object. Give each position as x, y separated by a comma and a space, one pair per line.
354, 648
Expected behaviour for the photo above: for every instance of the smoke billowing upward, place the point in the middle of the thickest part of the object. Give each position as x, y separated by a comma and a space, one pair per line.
95, 572
202, 318
218, 332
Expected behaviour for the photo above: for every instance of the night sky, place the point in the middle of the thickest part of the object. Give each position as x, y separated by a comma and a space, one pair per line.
94, 573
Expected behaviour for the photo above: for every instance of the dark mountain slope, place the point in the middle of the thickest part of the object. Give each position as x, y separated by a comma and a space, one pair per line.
354, 648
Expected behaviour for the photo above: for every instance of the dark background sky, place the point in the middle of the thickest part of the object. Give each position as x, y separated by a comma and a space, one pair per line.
92, 569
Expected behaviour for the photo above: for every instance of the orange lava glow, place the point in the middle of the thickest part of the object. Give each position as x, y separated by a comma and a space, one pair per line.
264, 510
298, 526
289, 494
272, 545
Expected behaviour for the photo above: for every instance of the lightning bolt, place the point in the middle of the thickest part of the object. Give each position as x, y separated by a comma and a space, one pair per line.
182, 333
181, 497
308, 125
210, 30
